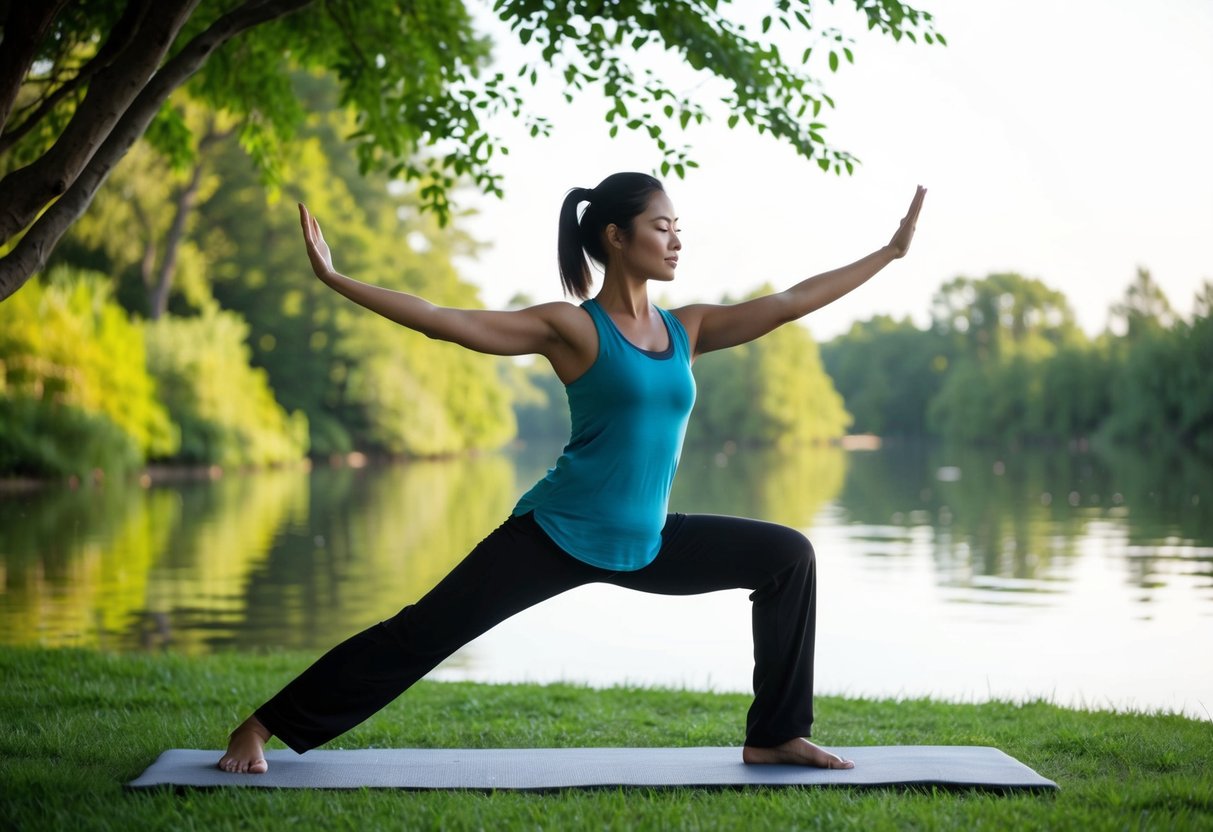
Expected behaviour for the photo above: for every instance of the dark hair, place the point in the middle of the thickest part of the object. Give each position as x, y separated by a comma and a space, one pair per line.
618, 199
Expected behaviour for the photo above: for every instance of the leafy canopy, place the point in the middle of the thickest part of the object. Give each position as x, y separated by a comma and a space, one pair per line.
84, 81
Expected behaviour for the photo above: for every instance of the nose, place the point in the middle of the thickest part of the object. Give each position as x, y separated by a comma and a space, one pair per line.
675, 241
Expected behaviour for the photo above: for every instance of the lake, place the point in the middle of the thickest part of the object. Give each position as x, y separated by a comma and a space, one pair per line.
966, 574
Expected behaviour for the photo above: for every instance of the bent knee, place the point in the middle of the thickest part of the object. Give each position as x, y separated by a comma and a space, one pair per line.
797, 550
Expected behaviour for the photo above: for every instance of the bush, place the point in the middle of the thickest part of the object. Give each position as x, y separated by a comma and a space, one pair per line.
73, 379
45, 439
224, 408
773, 391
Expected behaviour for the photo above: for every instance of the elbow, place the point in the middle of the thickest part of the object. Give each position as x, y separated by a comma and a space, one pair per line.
433, 324
792, 308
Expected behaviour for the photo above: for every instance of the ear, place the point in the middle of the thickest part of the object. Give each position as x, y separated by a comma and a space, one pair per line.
614, 237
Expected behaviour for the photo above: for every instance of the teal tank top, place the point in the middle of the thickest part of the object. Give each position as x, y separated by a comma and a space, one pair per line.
605, 501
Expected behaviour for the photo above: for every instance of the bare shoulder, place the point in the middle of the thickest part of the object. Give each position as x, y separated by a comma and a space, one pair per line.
575, 345
569, 321
557, 310
691, 318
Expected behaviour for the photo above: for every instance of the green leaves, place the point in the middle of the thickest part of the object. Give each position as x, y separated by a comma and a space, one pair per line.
414, 76
599, 45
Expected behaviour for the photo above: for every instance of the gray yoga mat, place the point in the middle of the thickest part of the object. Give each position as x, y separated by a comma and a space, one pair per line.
541, 769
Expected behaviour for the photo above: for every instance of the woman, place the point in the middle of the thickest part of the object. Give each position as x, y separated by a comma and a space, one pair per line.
600, 514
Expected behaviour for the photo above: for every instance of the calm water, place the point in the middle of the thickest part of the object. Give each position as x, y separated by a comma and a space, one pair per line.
1081, 578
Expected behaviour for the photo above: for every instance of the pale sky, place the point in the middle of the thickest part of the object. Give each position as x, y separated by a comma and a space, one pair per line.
1067, 141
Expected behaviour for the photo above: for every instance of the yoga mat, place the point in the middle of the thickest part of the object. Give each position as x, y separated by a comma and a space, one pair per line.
541, 769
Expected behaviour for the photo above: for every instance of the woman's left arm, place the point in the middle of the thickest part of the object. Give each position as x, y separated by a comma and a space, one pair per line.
717, 327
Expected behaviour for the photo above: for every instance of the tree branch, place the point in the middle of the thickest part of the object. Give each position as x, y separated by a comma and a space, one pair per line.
25, 25
30, 254
26, 191
119, 39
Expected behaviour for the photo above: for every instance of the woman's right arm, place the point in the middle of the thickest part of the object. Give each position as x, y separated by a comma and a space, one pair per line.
536, 330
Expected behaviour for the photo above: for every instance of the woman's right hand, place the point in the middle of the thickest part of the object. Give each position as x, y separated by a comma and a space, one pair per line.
317, 249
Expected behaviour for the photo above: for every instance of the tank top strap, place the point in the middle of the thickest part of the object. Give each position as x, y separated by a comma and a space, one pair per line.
607, 333
682, 342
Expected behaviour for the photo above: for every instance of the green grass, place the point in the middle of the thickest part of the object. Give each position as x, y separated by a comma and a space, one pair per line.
74, 726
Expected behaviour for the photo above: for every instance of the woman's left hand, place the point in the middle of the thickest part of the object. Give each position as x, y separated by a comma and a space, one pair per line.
900, 244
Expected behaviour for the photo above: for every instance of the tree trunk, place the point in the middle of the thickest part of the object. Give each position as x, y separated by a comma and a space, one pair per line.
24, 27
147, 264
27, 190
172, 242
117, 41
31, 253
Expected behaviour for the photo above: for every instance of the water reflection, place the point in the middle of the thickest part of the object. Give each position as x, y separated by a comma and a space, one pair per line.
281, 558
1016, 523
377, 539
1035, 542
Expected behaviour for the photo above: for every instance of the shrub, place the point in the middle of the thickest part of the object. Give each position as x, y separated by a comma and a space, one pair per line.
73, 379
224, 408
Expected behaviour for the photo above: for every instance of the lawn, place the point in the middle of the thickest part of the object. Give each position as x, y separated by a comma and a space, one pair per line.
75, 725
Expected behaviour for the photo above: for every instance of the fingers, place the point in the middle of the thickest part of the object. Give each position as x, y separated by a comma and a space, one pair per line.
916, 203
311, 228
305, 221
905, 230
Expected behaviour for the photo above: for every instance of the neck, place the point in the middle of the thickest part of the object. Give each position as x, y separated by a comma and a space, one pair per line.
624, 297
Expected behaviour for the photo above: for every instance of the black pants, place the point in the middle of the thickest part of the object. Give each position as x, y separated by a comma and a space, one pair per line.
518, 565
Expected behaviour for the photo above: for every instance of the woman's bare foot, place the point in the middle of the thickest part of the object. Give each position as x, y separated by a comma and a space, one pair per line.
246, 749
798, 752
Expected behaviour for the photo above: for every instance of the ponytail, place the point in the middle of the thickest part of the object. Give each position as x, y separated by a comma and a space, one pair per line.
617, 200
574, 270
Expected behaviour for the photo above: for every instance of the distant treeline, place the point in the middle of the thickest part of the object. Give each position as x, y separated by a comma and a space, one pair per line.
1004, 361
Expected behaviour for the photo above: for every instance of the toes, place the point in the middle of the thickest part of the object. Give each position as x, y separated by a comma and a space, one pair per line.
836, 762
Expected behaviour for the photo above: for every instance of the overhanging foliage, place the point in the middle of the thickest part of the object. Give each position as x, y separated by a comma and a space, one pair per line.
80, 82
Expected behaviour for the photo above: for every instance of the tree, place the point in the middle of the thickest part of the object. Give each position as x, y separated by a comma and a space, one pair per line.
773, 391
81, 82
1144, 311
1164, 374
362, 381
1002, 315
887, 372
153, 201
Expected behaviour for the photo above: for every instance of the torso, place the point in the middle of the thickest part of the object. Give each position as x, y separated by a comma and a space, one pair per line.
606, 499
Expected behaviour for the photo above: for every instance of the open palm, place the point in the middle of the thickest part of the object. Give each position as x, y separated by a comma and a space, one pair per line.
317, 249
900, 244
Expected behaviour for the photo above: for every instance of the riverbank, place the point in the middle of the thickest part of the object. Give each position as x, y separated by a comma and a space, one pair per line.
76, 725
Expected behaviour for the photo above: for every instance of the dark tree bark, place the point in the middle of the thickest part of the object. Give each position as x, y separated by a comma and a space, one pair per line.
27, 190
31, 253
118, 40
25, 25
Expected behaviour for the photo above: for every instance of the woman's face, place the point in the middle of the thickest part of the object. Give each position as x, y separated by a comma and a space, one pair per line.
650, 251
